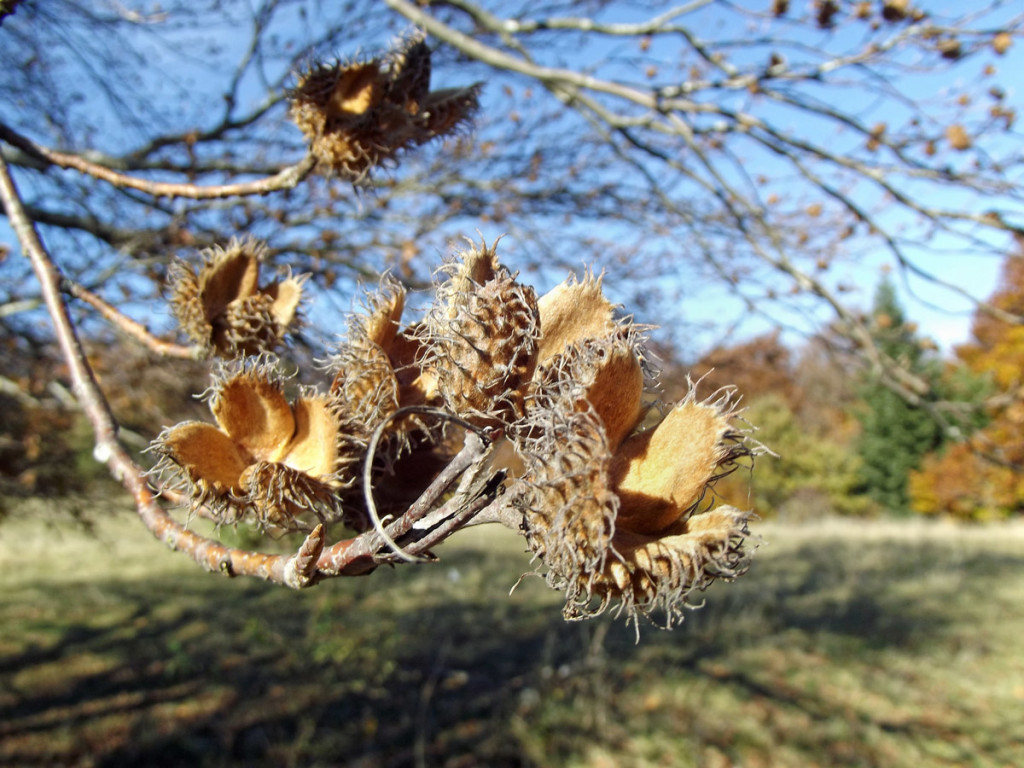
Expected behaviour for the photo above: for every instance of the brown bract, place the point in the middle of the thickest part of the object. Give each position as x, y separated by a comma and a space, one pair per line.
223, 308
276, 463
365, 388
358, 115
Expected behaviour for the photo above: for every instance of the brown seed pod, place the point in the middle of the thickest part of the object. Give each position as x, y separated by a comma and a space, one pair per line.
480, 338
895, 10
365, 389
826, 12
275, 462
958, 137
224, 309
568, 507
621, 522
649, 574
359, 115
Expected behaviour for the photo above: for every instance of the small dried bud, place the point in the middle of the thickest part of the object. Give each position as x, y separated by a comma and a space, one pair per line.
825, 13
359, 115
225, 310
958, 137
895, 10
950, 48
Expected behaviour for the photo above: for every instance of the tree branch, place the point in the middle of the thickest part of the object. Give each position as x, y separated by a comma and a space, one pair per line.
287, 178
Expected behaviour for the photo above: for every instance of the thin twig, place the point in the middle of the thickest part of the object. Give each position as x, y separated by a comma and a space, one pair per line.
286, 178
210, 554
136, 330
440, 484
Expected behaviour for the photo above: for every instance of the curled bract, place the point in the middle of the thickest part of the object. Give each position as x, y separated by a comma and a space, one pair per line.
360, 114
223, 307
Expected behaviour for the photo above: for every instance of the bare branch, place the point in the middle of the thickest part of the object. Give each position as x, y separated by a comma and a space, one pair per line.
134, 329
287, 178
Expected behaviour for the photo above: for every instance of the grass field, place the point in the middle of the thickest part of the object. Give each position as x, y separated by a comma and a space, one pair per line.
847, 644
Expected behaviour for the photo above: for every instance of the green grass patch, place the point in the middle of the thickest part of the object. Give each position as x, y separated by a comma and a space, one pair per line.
846, 645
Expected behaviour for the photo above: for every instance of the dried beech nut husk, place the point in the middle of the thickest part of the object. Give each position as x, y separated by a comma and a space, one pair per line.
568, 505
365, 389
480, 339
360, 114
224, 309
661, 473
615, 515
277, 463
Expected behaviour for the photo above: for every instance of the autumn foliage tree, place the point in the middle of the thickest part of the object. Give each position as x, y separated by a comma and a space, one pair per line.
980, 478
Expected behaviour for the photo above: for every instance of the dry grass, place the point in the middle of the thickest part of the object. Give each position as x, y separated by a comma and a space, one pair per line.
859, 644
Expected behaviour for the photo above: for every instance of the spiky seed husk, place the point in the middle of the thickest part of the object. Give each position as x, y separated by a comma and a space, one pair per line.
380, 326
359, 115
330, 105
205, 465
480, 338
569, 510
186, 303
655, 547
308, 475
365, 388
657, 574
603, 374
224, 309
445, 111
246, 327
229, 274
660, 474
280, 496
264, 457
407, 70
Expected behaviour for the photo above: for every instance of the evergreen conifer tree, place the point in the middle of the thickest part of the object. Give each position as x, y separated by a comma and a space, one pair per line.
895, 434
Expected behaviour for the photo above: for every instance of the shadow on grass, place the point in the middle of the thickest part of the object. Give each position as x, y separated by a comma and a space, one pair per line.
436, 666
